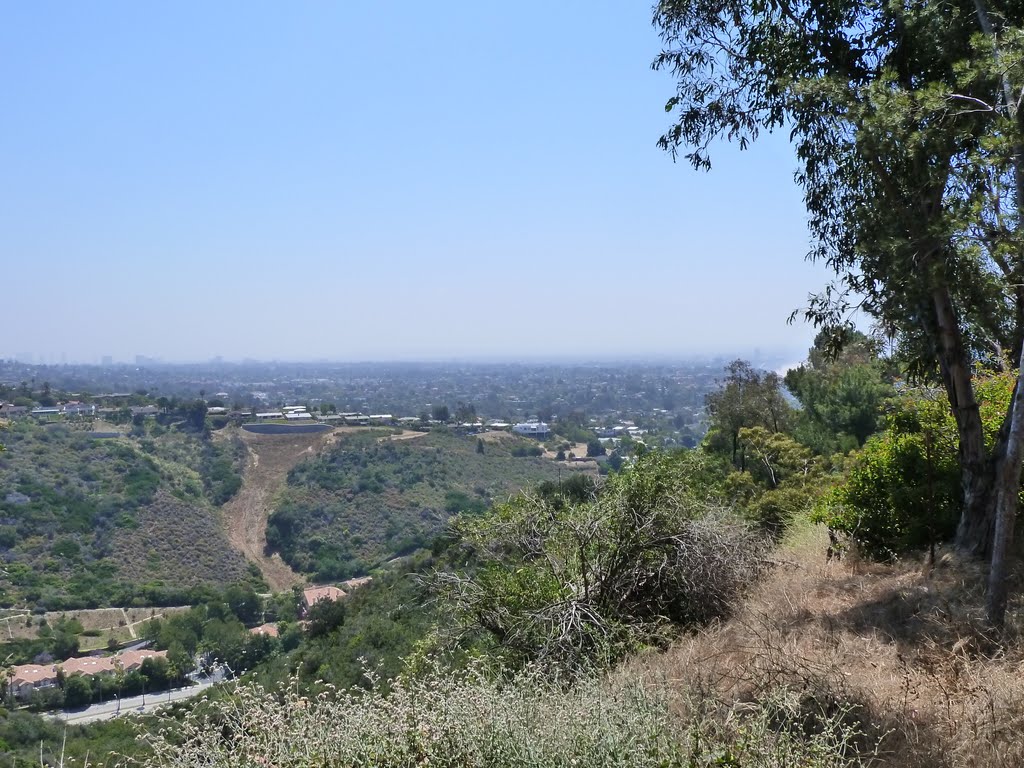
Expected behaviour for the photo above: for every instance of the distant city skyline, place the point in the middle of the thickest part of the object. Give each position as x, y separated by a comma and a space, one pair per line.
376, 182
29, 358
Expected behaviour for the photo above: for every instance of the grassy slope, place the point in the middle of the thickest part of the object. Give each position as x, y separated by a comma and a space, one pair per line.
369, 498
79, 516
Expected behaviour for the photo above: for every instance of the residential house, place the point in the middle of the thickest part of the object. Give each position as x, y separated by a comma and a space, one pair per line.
130, 661
313, 595
31, 677
270, 630
536, 429
88, 665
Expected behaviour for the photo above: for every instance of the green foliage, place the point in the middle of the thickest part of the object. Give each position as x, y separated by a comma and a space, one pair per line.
221, 469
746, 398
906, 119
456, 502
369, 498
902, 490
572, 430
842, 397
385, 621
526, 449
77, 691
572, 584
324, 616
575, 489
213, 626
80, 516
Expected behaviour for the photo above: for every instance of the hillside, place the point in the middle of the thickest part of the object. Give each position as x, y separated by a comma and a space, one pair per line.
825, 665
369, 497
87, 522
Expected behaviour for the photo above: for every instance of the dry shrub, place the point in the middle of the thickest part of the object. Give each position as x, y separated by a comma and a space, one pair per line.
899, 651
471, 719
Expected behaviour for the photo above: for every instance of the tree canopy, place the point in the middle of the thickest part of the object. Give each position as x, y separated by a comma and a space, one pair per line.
908, 136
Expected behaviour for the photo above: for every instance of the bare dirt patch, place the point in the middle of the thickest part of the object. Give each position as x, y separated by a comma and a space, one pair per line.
408, 434
245, 515
578, 450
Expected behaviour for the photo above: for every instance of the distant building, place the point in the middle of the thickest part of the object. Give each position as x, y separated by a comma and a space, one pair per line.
132, 660
270, 630
88, 665
31, 677
536, 429
25, 679
76, 408
313, 595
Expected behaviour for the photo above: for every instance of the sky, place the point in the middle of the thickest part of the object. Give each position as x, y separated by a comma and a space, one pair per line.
375, 181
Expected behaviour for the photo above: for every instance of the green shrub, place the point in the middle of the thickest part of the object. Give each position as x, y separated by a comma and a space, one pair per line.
902, 489
574, 584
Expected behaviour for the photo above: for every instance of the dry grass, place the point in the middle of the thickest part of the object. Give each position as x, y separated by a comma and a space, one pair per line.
902, 648
109, 621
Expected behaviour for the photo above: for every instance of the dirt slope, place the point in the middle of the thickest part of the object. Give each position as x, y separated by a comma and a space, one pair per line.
245, 515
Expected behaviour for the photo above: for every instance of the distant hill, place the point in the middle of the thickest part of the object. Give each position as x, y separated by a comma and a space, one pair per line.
369, 497
87, 522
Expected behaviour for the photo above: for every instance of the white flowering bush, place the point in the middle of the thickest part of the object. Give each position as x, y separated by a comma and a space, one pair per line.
468, 720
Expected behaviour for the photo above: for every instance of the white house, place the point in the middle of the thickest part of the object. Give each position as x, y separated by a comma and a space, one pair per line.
536, 429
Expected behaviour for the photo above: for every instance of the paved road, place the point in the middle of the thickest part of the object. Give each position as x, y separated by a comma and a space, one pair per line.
147, 704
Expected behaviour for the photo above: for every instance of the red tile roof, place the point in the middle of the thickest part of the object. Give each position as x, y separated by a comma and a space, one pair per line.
313, 595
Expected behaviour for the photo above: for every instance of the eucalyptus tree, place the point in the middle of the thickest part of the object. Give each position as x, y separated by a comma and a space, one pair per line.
906, 122
747, 397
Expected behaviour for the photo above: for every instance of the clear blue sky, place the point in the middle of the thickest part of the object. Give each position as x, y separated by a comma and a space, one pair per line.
364, 180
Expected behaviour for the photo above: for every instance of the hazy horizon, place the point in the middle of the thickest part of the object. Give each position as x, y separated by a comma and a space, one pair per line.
380, 183
511, 360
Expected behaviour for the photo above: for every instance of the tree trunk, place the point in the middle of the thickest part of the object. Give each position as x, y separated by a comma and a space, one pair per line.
1007, 490
1008, 466
977, 471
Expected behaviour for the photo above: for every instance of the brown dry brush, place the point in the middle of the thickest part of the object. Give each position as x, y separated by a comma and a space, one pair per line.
899, 652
